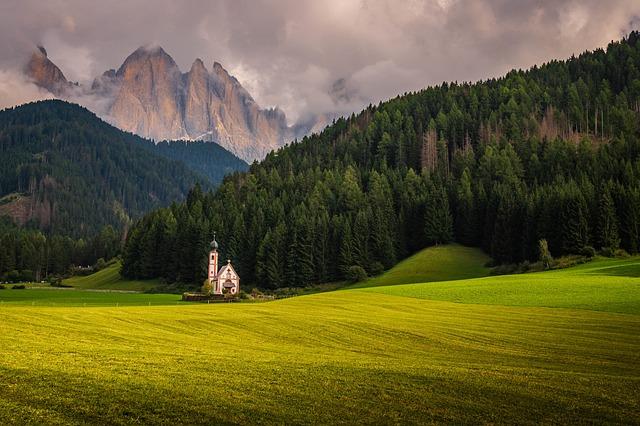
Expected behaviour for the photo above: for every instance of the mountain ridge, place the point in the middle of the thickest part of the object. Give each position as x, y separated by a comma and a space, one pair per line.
67, 172
150, 96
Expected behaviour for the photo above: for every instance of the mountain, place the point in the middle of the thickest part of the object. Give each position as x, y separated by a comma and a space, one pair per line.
66, 171
46, 74
149, 96
547, 158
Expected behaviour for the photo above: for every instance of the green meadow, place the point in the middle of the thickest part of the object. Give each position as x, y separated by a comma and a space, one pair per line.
439, 263
109, 279
553, 347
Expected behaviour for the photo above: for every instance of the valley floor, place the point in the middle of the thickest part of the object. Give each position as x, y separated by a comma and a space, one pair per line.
414, 353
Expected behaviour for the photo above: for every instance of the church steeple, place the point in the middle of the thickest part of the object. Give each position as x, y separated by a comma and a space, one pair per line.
214, 243
212, 270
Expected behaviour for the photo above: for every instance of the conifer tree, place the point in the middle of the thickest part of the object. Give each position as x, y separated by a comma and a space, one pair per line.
438, 226
607, 220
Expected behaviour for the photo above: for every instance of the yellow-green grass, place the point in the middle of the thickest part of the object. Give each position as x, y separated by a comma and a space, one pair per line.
340, 357
352, 356
438, 263
72, 297
109, 279
602, 285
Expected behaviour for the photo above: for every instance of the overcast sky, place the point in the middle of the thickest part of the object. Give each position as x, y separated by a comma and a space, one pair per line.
290, 53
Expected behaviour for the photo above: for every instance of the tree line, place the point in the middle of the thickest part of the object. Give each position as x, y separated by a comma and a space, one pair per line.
29, 255
550, 153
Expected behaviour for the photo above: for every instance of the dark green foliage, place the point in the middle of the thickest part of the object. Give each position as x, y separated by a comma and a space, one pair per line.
608, 236
438, 226
501, 164
356, 274
27, 254
80, 174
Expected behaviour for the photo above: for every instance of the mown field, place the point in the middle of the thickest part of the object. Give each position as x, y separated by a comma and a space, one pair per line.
375, 355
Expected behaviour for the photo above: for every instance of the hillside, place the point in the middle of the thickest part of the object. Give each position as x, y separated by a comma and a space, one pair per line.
609, 285
438, 263
67, 172
547, 153
550, 356
109, 279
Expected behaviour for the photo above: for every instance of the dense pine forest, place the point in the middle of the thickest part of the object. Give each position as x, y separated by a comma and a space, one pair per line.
550, 153
68, 178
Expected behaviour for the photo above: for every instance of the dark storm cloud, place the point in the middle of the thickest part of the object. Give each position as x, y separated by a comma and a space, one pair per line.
291, 52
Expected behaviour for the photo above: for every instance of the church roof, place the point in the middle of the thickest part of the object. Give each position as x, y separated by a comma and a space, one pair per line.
226, 267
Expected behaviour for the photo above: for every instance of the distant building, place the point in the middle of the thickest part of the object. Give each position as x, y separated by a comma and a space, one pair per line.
225, 280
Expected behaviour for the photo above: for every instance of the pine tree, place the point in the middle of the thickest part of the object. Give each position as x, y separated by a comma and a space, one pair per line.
438, 226
607, 220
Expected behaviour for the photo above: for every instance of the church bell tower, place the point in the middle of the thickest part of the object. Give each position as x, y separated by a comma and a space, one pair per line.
212, 272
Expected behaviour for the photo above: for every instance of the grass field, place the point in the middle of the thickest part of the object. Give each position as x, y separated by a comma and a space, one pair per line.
109, 279
376, 355
601, 285
439, 263
73, 297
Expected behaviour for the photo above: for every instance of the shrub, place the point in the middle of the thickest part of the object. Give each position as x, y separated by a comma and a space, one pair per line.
207, 287
19, 287
13, 276
588, 251
243, 295
100, 264
2, 287
607, 252
26, 275
356, 274
621, 253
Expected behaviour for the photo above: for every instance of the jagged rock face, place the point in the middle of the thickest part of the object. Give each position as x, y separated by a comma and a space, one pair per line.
150, 96
45, 73
148, 100
153, 99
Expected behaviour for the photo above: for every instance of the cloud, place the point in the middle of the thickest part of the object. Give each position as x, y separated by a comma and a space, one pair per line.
15, 89
290, 53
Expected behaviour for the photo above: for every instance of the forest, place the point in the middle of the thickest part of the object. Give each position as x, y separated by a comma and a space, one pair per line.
66, 176
547, 153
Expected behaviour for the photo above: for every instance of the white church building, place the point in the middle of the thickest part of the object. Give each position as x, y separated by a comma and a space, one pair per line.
226, 279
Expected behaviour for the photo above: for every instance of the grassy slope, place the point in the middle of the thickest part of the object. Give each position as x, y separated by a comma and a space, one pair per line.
348, 356
600, 285
440, 263
109, 279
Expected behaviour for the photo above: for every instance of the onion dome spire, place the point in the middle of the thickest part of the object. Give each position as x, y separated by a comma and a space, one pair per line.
214, 243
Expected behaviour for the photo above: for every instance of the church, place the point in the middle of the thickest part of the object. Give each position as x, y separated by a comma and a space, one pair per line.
225, 280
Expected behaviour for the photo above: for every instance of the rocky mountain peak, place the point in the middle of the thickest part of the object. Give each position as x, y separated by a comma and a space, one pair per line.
45, 73
150, 96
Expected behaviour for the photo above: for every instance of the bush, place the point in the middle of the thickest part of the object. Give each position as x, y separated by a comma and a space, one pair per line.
376, 268
588, 251
19, 287
621, 253
13, 276
356, 274
607, 252
2, 287
207, 287
243, 295
100, 264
